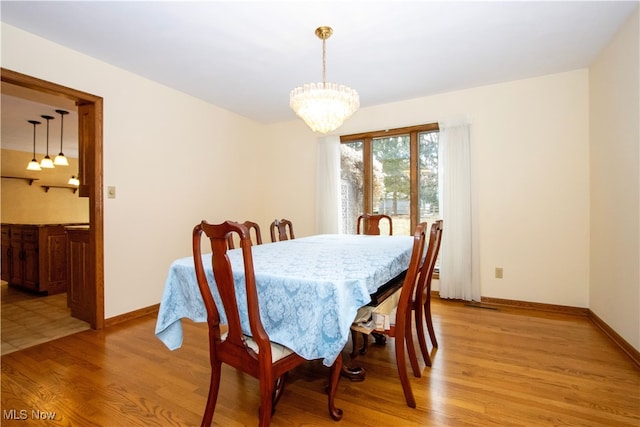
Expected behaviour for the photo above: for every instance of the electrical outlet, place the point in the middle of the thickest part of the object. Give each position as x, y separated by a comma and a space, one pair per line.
499, 272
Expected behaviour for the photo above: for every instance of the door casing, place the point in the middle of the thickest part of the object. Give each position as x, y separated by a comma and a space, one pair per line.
90, 153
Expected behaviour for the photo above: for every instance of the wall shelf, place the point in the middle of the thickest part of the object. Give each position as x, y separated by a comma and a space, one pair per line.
47, 187
29, 180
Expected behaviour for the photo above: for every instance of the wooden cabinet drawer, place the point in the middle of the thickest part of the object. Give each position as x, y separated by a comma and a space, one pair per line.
29, 235
15, 233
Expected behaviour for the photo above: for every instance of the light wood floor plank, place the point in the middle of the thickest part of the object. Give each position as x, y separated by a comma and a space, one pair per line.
493, 368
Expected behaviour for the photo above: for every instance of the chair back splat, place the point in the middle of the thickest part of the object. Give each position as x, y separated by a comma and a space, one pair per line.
253, 354
371, 224
251, 226
281, 229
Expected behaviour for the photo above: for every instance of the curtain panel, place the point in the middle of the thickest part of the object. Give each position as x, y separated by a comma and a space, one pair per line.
459, 268
328, 186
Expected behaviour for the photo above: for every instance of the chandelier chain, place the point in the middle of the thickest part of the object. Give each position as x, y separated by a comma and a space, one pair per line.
324, 62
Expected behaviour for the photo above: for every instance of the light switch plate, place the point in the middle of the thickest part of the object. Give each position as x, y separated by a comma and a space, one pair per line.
111, 192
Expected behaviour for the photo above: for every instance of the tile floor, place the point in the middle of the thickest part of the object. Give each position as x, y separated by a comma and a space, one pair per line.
29, 319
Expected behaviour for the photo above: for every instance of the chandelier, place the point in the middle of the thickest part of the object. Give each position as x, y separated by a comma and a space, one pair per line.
324, 106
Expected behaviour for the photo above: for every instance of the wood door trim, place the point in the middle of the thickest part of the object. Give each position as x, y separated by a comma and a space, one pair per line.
94, 177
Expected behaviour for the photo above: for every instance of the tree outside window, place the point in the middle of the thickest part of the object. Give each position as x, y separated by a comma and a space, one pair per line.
392, 172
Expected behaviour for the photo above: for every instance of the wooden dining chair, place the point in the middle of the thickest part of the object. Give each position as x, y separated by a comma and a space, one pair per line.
422, 301
393, 316
371, 224
255, 355
250, 226
282, 226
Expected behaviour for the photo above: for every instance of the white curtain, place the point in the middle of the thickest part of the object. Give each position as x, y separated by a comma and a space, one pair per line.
328, 186
459, 269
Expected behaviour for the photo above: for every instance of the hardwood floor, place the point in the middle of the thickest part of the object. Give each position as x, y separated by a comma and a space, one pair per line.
29, 319
494, 368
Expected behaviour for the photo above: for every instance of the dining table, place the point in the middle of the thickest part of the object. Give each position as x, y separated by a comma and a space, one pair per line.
309, 289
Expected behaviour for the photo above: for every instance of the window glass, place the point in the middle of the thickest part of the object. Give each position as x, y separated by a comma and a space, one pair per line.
429, 197
391, 182
392, 172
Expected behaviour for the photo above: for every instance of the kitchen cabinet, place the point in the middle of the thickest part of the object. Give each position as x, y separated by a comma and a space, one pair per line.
24, 257
34, 257
5, 267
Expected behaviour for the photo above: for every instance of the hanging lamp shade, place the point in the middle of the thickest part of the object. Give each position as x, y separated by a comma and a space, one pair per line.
33, 164
46, 162
60, 159
74, 181
324, 106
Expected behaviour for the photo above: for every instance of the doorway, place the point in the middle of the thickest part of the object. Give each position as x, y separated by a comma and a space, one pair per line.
90, 125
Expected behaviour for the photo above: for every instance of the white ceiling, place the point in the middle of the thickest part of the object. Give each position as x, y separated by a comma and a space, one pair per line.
20, 105
247, 56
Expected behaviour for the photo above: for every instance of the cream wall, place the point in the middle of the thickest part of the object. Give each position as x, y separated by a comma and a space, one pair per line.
615, 183
290, 188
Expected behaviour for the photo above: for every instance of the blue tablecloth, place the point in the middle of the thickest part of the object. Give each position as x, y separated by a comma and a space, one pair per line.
309, 289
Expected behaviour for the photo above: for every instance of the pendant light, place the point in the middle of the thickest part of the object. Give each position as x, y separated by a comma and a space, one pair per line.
324, 106
33, 164
60, 159
74, 181
46, 162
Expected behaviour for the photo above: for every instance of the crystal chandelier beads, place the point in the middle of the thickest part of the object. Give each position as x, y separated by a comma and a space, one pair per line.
324, 106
